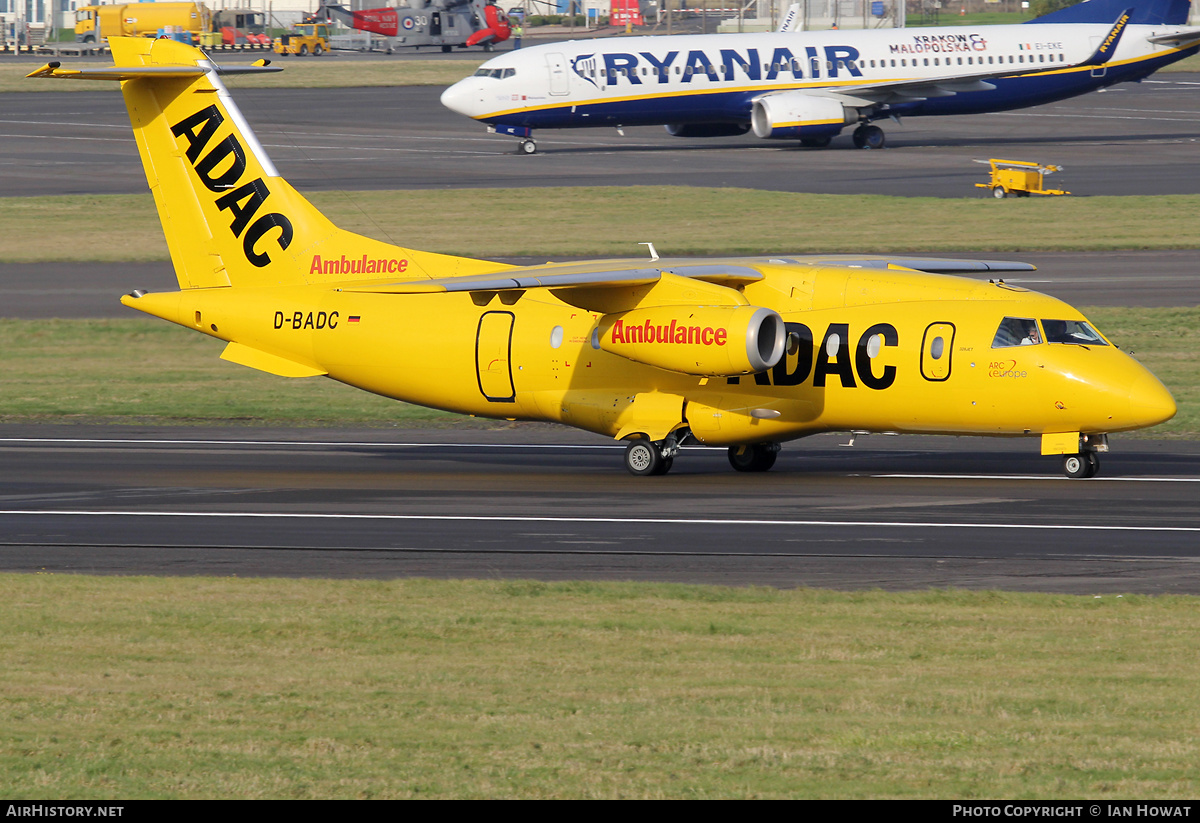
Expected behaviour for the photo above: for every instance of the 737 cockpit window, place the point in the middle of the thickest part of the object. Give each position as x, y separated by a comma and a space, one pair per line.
1016, 331
495, 73
1072, 331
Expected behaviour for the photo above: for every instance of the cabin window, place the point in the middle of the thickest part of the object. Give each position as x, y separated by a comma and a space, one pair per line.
688, 70
1016, 331
903, 62
936, 62
1074, 332
960, 61
1041, 58
927, 61
872, 64
990, 60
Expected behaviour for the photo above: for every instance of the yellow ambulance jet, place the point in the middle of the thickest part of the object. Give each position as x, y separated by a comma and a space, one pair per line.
739, 353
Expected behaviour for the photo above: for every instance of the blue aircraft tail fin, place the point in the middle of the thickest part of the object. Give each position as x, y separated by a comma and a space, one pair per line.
1145, 13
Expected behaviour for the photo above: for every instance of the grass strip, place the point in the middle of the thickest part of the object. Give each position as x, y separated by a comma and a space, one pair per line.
147, 371
680, 220
204, 687
307, 73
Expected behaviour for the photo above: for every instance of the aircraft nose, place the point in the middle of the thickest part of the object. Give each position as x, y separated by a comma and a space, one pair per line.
460, 98
1149, 401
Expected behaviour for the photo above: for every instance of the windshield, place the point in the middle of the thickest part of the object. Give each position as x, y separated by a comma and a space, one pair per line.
1016, 331
495, 73
1072, 331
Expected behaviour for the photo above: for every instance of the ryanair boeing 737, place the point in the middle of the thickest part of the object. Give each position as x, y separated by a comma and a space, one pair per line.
736, 353
810, 85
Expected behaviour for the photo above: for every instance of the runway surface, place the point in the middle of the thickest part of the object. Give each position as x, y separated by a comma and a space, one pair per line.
545, 502
1132, 139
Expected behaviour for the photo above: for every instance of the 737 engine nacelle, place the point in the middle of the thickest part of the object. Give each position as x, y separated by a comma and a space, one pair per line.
795, 114
710, 341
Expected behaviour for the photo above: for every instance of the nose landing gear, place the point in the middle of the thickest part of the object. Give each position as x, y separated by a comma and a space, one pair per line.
1080, 466
527, 146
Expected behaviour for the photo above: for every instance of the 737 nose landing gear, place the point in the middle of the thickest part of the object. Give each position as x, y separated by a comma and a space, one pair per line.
869, 137
527, 146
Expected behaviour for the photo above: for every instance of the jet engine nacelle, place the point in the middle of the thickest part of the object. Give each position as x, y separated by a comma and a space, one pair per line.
710, 341
795, 114
707, 129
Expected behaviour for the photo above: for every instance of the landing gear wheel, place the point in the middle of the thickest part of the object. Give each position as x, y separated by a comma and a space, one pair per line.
757, 458
527, 147
1080, 466
815, 142
999, 192
644, 459
869, 137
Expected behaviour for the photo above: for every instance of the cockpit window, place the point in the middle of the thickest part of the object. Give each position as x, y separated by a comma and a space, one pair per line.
1072, 331
495, 73
1016, 331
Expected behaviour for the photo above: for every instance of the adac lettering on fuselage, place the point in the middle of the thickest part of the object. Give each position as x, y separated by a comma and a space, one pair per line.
242, 201
730, 65
940, 44
311, 320
357, 265
834, 358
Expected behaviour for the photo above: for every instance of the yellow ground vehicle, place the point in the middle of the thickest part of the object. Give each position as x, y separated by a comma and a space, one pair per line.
95, 24
1018, 177
305, 38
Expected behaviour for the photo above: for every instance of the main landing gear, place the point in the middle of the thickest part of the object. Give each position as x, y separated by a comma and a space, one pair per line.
759, 457
869, 137
647, 458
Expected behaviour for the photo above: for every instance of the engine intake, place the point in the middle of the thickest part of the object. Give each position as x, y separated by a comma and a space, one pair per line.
711, 341
795, 114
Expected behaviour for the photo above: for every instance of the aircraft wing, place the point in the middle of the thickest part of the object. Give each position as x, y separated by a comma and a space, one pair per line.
911, 90
930, 265
581, 276
560, 277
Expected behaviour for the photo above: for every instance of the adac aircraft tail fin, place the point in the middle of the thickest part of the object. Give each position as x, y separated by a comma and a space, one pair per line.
1144, 13
228, 217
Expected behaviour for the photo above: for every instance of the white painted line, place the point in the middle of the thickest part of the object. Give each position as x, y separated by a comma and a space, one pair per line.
666, 521
1040, 477
134, 442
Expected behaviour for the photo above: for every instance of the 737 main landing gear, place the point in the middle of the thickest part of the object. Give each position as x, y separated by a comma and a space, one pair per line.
869, 137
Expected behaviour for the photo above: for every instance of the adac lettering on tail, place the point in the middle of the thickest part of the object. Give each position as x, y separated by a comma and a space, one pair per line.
241, 201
